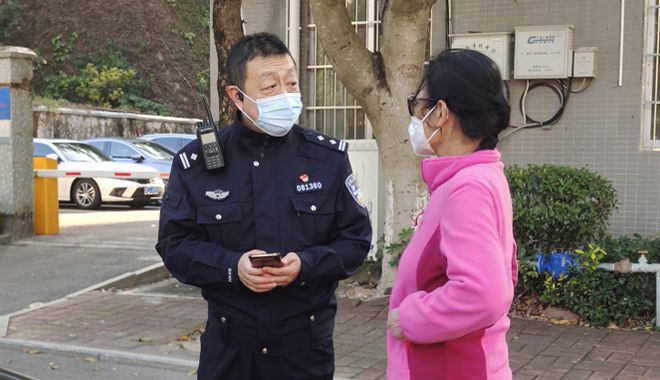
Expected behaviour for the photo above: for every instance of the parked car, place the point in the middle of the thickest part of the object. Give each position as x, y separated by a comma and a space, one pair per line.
136, 151
89, 193
172, 141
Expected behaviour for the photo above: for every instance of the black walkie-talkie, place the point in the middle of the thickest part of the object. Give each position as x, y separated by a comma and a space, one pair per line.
207, 135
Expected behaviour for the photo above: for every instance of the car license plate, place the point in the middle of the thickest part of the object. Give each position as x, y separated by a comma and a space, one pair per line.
151, 190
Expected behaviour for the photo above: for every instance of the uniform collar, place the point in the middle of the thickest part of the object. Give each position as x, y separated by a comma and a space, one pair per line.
251, 142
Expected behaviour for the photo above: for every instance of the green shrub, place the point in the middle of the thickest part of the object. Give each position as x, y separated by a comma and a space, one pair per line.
9, 13
558, 207
602, 297
105, 79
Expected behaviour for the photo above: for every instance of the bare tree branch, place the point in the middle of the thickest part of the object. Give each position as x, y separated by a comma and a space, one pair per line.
227, 30
359, 70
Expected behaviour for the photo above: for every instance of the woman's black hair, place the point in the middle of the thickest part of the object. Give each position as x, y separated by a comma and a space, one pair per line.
471, 85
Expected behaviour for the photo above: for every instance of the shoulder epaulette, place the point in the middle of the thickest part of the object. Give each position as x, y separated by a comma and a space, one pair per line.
325, 141
189, 156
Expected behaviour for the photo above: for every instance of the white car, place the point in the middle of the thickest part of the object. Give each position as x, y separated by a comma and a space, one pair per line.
89, 193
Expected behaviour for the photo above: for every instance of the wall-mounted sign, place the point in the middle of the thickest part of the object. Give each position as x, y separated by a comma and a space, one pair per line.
5, 113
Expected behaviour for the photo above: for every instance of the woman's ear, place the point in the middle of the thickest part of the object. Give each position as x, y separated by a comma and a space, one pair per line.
442, 113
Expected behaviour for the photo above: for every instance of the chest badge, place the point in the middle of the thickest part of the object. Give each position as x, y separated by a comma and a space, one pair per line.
217, 195
308, 186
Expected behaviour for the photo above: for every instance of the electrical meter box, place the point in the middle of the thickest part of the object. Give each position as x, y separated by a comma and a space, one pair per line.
584, 62
543, 52
497, 46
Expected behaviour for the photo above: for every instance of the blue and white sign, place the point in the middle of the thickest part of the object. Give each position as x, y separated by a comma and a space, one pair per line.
5, 113
5, 116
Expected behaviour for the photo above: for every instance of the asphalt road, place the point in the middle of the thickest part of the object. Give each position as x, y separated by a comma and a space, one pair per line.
92, 246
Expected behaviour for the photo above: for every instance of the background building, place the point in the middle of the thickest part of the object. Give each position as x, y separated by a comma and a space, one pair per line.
610, 127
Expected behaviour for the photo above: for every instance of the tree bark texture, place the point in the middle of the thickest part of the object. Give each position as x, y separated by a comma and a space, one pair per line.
227, 30
380, 82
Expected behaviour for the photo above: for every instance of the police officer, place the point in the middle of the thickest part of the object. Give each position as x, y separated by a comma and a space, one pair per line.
283, 189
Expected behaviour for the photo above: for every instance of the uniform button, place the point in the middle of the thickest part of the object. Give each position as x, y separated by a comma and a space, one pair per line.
312, 318
264, 350
256, 164
223, 319
303, 283
218, 216
313, 208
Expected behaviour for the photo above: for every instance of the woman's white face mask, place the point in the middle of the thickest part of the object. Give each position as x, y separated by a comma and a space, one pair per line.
420, 144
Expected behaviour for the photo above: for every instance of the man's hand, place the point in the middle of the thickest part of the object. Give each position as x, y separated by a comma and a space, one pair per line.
255, 279
288, 273
393, 325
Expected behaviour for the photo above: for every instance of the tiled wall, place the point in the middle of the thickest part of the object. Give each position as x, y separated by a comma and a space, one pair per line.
601, 127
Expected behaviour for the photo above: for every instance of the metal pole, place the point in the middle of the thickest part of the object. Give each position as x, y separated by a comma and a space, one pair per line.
621, 27
657, 300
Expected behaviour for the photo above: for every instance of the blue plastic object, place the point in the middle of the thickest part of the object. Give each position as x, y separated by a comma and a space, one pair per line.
556, 264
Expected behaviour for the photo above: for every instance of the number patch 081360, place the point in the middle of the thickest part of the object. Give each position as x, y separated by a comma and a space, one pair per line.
309, 187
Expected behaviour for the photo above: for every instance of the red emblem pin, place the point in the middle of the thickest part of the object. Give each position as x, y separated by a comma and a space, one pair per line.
304, 178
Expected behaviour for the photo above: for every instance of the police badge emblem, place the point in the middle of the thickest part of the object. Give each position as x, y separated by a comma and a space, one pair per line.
354, 189
217, 195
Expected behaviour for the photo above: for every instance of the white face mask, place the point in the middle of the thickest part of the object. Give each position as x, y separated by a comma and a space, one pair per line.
420, 144
277, 114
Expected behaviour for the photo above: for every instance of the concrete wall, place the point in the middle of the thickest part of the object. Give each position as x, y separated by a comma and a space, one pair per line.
601, 127
70, 123
363, 155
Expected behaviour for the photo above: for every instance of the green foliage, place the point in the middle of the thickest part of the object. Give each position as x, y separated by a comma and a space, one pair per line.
396, 248
598, 296
558, 207
132, 101
10, 11
105, 78
103, 85
62, 49
203, 80
625, 246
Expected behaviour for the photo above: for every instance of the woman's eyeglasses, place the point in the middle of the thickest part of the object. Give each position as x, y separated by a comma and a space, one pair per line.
414, 101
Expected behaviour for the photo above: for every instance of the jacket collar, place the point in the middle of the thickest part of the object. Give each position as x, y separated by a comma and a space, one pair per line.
438, 170
250, 142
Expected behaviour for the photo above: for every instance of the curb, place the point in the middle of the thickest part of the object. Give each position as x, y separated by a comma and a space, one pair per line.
111, 356
146, 275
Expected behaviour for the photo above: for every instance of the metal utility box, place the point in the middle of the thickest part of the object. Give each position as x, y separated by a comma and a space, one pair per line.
543, 52
497, 46
584, 62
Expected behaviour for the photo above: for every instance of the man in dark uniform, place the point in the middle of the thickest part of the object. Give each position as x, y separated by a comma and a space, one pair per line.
283, 189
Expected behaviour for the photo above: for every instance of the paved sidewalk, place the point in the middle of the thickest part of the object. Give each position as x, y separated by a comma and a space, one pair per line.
151, 323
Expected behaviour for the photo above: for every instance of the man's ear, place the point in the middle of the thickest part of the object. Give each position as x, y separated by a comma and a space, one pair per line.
234, 94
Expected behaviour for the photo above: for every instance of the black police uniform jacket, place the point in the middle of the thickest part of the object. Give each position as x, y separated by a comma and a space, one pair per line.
295, 193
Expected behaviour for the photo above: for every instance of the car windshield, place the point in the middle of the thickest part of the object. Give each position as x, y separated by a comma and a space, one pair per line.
154, 150
79, 152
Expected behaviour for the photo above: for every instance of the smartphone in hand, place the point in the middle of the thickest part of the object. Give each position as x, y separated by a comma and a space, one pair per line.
260, 260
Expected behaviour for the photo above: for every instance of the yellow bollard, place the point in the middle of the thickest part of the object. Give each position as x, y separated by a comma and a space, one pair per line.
46, 206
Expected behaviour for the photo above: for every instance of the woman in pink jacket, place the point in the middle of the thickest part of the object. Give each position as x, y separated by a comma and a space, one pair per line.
454, 285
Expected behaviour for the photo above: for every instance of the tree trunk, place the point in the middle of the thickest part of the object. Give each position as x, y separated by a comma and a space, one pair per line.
380, 82
227, 30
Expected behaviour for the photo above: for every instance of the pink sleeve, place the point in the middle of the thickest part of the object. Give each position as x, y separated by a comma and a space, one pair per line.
480, 284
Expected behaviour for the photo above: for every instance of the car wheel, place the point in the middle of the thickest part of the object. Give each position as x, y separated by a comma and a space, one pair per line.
86, 194
138, 204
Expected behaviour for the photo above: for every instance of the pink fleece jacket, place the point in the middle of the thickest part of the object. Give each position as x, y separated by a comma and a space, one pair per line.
455, 280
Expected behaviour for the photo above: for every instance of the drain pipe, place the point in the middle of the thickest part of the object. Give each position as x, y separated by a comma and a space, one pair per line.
642, 266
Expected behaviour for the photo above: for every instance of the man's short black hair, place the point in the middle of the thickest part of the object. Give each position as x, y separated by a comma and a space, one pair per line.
248, 48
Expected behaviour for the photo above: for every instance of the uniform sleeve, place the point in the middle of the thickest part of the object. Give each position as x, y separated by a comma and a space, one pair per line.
184, 245
480, 285
349, 243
